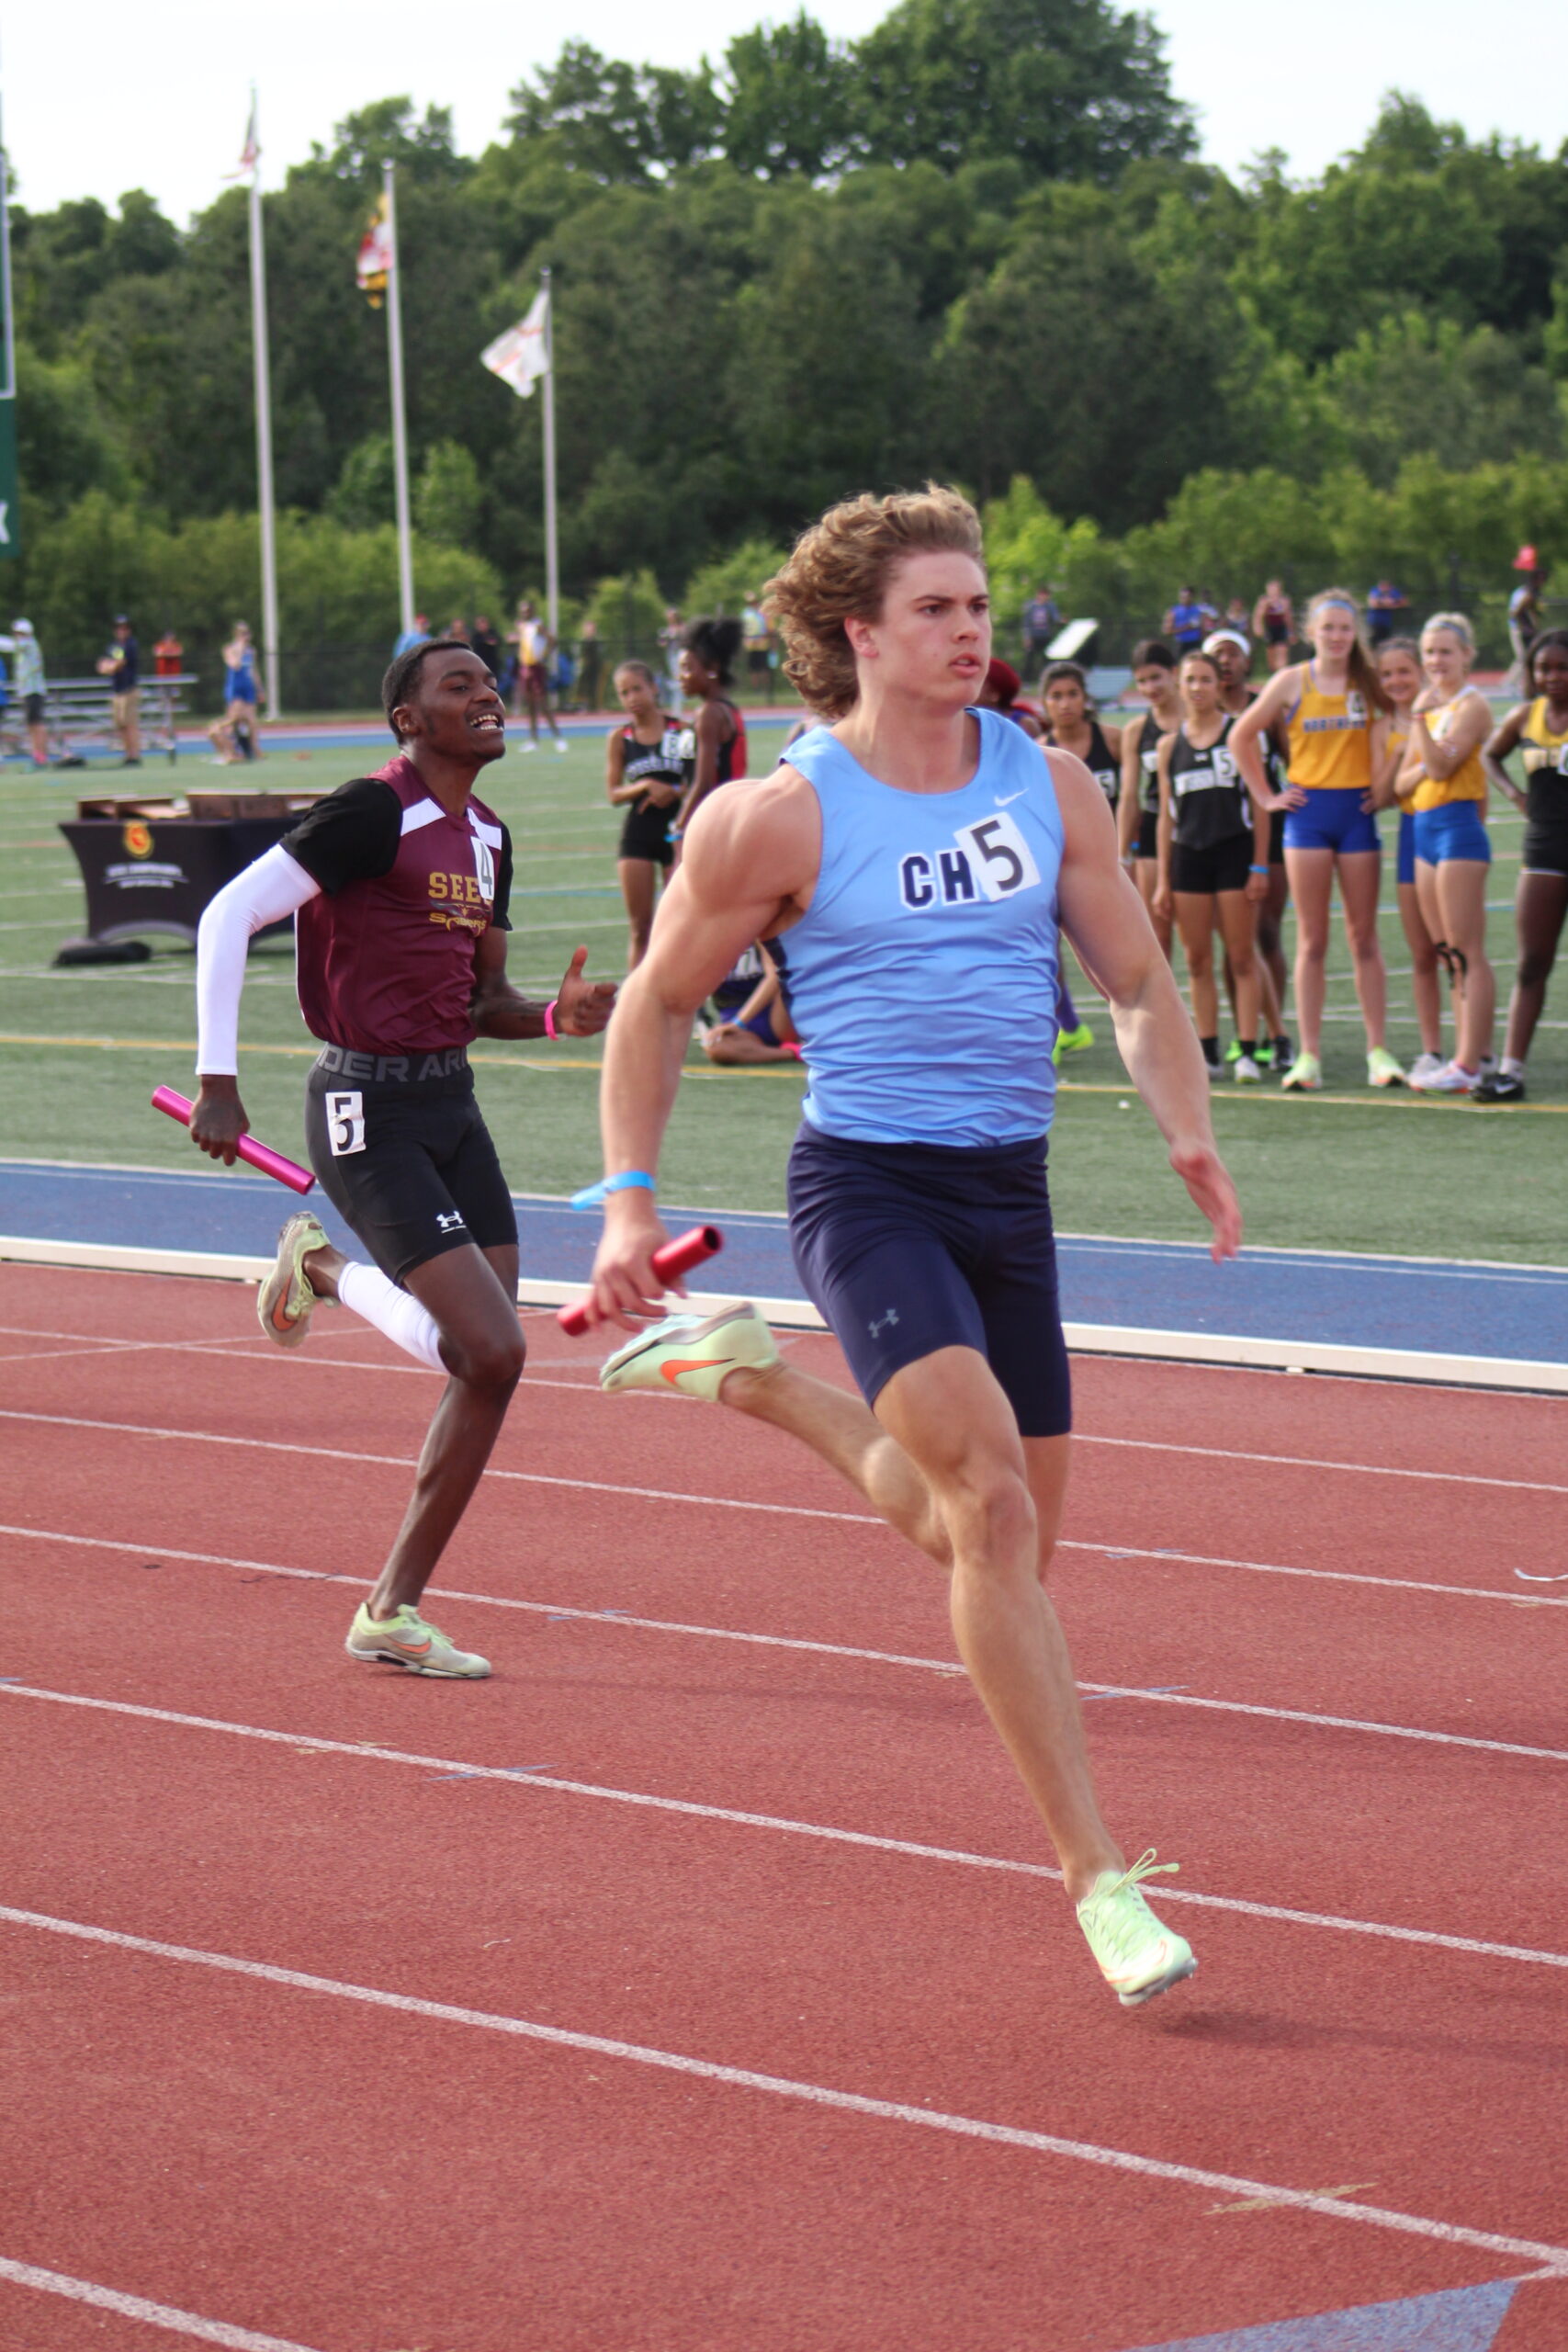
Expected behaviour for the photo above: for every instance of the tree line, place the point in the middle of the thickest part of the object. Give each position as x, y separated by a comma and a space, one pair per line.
977, 243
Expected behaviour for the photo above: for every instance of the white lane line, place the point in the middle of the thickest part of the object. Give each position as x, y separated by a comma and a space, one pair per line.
782, 1823
1554, 2257
179, 2323
885, 1658
1306, 1462
406, 1461
588, 1388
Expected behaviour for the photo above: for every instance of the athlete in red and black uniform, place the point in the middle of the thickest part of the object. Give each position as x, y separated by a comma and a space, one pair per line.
400, 883
645, 776
714, 745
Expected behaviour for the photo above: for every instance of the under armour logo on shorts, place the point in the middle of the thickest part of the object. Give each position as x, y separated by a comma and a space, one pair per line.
884, 1322
448, 1221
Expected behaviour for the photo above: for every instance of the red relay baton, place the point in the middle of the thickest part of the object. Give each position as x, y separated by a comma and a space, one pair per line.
676, 1258
254, 1154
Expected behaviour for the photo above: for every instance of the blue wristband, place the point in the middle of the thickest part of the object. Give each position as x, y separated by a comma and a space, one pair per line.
1257, 869
631, 1179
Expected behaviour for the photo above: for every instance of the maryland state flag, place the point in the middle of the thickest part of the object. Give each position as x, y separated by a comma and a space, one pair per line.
374, 255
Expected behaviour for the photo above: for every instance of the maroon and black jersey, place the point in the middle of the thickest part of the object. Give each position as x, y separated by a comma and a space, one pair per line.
384, 956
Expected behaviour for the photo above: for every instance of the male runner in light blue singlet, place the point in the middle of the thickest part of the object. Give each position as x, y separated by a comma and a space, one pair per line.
913, 865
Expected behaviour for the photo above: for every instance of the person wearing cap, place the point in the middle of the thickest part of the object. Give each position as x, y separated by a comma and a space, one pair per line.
28, 678
119, 666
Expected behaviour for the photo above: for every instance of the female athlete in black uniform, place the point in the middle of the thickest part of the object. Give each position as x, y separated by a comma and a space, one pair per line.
1073, 725
1232, 654
1538, 730
713, 746
644, 775
1137, 813
1214, 841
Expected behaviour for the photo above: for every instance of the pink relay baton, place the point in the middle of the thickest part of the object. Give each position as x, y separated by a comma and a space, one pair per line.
676, 1258
254, 1154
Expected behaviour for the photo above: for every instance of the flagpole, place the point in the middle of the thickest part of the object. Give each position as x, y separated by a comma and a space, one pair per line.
552, 548
400, 426
263, 445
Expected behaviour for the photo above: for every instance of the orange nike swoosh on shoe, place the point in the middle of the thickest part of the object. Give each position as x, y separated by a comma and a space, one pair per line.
671, 1372
407, 1650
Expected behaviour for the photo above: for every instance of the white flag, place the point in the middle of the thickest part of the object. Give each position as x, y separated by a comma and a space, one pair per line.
522, 355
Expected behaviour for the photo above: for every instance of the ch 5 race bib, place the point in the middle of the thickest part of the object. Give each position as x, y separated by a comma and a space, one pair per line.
346, 1125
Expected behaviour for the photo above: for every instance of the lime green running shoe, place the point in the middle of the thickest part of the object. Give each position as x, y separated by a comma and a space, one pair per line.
1382, 1069
692, 1356
405, 1639
285, 1302
1137, 1956
1303, 1077
1072, 1041
1233, 1051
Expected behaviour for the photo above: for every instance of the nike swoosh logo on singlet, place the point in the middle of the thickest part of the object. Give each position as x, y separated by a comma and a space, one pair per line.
1005, 800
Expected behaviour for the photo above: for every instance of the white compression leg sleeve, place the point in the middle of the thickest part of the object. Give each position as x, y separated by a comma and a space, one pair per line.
366, 1293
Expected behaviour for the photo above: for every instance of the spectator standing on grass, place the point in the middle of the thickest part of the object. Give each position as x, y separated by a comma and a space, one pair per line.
486, 644
644, 775
1331, 709
168, 656
1539, 731
1274, 620
1137, 810
757, 640
713, 744
533, 643
120, 666
1187, 623
1450, 721
409, 638
1042, 619
1388, 611
233, 735
1524, 625
1232, 655
27, 658
591, 665
457, 632
1214, 866
671, 638
1399, 667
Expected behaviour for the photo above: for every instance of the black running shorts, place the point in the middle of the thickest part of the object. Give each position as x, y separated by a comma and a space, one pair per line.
910, 1247
404, 1156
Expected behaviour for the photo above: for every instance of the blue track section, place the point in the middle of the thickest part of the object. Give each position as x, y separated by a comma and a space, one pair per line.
1517, 1313
1458, 2319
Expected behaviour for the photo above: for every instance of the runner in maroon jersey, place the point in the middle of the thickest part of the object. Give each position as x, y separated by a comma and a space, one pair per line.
400, 884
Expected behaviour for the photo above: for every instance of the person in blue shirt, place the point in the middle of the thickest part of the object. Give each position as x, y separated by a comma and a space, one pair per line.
233, 736
914, 866
1187, 621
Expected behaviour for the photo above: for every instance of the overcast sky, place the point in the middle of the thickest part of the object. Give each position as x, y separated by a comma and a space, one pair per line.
100, 97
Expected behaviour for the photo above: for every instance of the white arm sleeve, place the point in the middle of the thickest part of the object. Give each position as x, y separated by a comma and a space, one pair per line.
265, 892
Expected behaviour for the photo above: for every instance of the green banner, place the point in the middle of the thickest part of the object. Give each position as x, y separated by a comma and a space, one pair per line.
11, 516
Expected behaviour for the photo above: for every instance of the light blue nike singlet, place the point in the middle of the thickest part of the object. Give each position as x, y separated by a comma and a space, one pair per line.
922, 977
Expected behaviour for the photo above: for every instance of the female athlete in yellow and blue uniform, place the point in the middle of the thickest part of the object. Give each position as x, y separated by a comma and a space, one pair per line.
1538, 730
1399, 668
1331, 708
1446, 784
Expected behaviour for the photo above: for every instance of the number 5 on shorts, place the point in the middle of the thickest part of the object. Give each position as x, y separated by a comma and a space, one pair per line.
346, 1125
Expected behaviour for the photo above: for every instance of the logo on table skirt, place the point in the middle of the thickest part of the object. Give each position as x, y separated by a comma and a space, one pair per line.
137, 837
346, 1125
156, 876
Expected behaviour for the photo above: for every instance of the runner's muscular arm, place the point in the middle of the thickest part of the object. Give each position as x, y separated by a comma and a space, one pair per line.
1282, 690
750, 864
1103, 916
1440, 758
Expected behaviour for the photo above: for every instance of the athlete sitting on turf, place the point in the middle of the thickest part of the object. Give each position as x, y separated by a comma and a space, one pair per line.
760, 1030
401, 882
914, 866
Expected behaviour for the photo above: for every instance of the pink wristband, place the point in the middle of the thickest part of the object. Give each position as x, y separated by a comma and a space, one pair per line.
550, 1029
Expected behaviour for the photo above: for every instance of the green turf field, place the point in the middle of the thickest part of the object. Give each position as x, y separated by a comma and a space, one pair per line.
80, 1052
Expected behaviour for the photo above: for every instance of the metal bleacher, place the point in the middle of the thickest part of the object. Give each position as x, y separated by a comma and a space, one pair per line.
79, 716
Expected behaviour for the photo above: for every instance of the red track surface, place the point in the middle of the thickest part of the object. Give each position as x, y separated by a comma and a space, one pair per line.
315, 2167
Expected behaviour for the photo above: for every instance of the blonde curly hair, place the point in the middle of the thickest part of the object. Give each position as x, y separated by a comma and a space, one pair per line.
838, 570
